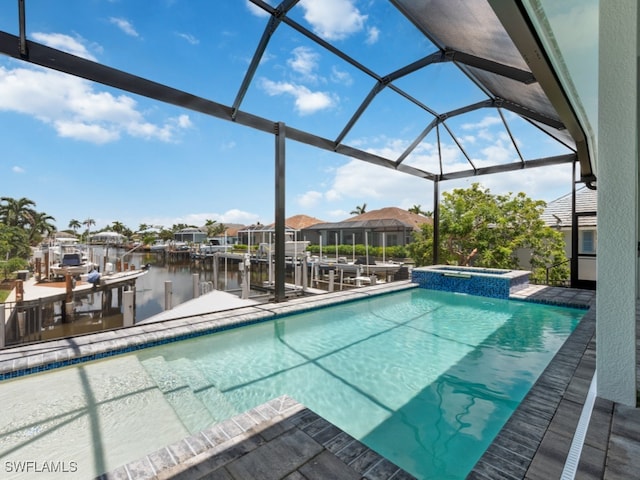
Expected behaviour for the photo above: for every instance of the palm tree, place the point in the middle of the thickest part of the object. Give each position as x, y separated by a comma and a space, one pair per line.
88, 222
74, 225
417, 209
359, 209
117, 227
143, 228
15, 212
39, 225
214, 228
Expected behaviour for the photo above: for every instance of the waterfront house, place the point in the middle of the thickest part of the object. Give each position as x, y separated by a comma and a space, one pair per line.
388, 226
107, 238
294, 226
559, 215
191, 235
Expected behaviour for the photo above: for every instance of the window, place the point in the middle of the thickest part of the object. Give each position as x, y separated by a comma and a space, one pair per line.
588, 241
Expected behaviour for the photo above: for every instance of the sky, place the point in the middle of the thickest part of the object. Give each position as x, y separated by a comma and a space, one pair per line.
82, 150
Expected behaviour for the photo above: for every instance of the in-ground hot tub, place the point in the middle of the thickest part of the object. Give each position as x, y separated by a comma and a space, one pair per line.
486, 282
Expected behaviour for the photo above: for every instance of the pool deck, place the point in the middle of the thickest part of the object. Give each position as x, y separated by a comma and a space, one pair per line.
282, 439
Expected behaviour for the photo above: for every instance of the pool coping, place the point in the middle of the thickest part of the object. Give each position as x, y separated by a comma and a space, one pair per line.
243, 447
511, 454
39, 357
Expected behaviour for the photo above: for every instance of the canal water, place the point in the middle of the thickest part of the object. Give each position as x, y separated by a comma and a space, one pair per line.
102, 309
150, 288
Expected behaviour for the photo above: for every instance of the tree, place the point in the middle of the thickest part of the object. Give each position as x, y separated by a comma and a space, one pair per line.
488, 230
421, 248
214, 228
176, 227
15, 212
359, 210
40, 224
74, 225
166, 234
117, 227
417, 209
88, 222
13, 242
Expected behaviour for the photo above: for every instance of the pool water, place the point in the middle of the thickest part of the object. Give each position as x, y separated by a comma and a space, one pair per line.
426, 378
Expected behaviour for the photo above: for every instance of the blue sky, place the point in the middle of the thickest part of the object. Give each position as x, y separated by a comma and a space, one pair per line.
81, 150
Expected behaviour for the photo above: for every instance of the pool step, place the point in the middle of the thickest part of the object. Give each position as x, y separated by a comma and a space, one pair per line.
178, 393
216, 403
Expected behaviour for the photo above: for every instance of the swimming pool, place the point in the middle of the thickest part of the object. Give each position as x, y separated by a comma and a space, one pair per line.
426, 378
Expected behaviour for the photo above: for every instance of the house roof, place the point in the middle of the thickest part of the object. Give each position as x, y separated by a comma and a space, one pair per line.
298, 222
395, 213
558, 212
232, 229
389, 218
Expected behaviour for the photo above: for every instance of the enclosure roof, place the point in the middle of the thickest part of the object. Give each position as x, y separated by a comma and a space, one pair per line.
491, 42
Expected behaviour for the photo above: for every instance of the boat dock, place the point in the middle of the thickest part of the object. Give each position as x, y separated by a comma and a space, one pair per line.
36, 311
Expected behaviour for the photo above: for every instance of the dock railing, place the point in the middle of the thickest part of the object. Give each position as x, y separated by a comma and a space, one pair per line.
22, 322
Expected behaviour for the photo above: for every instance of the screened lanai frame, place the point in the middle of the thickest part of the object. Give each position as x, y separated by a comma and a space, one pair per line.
492, 42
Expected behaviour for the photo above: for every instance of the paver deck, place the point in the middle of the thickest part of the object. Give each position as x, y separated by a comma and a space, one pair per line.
283, 439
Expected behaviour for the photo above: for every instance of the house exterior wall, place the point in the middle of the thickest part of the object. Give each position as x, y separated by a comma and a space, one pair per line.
617, 171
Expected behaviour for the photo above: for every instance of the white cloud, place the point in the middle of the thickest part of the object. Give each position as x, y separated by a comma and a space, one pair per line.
497, 153
199, 219
75, 110
379, 187
309, 199
183, 121
189, 38
337, 215
341, 77
17, 169
486, 122
63, 42
304, 62
333, 19
124, 25
306, 101
373, 33
88, 132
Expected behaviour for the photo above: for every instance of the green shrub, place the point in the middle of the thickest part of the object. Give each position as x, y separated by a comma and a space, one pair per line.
13, 264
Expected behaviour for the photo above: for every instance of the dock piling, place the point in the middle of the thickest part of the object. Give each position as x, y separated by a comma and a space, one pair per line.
127, 308
195, 279
168, 293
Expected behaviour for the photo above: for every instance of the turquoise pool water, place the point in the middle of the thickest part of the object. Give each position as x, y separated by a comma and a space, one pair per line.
426, 378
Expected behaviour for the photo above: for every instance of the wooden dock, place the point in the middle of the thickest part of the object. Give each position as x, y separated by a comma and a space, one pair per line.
36, 311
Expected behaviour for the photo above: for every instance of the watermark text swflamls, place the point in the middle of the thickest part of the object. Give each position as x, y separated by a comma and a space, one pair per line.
34, 466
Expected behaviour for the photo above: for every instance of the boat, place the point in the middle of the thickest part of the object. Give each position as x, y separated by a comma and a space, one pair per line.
214, 246
73, 263
158, 246
292, 248
360, 267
